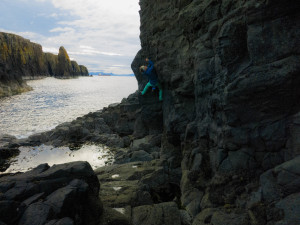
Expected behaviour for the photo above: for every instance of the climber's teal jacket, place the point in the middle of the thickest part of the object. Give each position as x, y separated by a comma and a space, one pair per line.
151, 74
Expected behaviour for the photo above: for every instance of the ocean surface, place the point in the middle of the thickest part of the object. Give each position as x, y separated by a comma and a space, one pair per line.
55, 101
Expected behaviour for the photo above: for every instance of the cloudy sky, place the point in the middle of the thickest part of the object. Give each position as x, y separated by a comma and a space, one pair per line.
100, 34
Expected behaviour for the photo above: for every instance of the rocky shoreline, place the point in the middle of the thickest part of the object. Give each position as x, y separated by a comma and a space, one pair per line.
137, 181
142, 187
223, 146
13, 89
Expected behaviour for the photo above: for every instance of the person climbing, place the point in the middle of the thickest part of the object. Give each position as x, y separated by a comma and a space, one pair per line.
149, 71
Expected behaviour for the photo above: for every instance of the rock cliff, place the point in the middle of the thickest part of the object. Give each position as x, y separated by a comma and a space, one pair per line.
51, 61
230, 73
64, 67
21, 59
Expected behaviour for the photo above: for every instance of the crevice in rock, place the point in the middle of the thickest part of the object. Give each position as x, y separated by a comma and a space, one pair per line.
166, 193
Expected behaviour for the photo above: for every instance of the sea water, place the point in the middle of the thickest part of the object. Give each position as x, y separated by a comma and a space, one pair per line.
55, 101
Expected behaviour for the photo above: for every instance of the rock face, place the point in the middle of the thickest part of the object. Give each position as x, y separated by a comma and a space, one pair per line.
64, 67
230, 73
51, 61
83, 70
21, 59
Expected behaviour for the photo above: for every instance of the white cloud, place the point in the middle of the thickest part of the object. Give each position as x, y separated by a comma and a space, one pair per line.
54, 15
85, 47
62, 29
94, 52
101, 34
101, 28
50, 49
119, 65
108, 25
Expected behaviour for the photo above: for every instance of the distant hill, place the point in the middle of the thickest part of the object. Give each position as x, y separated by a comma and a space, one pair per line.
110, 74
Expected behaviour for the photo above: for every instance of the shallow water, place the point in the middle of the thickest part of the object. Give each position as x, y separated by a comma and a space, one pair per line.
30, 157
54, 101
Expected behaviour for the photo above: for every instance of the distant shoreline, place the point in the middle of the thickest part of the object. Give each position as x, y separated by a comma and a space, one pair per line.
100, 74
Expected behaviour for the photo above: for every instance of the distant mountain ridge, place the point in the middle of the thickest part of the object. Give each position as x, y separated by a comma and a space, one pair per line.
110, 74
21, 59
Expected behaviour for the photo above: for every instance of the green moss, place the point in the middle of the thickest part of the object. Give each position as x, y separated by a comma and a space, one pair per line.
4, 51
67, 56
22, 57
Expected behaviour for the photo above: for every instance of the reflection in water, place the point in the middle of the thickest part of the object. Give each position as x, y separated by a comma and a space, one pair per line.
55, 101
31, 157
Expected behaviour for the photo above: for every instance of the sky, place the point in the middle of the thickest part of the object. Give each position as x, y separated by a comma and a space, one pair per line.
103, 35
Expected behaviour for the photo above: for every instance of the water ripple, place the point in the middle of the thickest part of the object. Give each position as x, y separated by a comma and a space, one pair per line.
54, 101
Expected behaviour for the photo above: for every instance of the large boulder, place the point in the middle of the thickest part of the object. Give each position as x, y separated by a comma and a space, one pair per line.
52, 193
